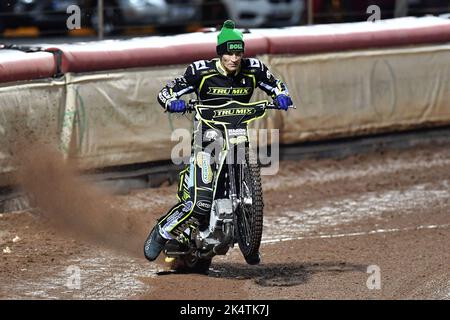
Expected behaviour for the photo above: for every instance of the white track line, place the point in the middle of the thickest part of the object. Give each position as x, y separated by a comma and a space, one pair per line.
356, 234
372, 206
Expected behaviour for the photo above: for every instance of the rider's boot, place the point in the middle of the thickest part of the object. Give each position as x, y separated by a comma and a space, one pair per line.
180, 244
253, 259
154, 244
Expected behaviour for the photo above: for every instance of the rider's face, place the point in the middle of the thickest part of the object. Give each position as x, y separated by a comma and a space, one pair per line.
231, 61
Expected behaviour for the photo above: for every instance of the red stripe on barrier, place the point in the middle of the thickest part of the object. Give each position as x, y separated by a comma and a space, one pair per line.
301, 44
74, 60
79, 59
27, 66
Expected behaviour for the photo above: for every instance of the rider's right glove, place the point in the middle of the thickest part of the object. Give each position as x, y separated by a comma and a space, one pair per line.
177, 106
284, 101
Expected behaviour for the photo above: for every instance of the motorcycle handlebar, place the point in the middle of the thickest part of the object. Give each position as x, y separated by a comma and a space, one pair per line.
271, 105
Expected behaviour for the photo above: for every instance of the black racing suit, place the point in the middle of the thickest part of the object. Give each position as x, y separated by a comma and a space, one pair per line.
208, 80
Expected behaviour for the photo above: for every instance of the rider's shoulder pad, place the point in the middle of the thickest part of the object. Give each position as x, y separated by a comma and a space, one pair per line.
252, 63
201, 65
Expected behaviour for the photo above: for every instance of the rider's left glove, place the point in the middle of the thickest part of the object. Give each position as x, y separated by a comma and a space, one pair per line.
284, 101
177, 105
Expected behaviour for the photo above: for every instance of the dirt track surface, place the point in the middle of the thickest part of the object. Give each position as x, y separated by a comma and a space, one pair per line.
328, 225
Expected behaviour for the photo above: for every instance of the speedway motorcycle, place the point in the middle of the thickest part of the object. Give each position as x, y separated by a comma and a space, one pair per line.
236, 214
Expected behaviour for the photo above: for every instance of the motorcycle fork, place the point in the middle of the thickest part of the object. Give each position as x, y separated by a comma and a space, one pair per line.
233, 189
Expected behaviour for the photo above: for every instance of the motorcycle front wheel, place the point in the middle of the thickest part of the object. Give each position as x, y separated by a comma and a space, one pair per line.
249, 218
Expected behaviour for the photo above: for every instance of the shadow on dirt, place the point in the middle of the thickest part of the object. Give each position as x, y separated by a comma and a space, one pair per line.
281, 275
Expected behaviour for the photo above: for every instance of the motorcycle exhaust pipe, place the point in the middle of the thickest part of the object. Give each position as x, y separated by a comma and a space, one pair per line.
218, 247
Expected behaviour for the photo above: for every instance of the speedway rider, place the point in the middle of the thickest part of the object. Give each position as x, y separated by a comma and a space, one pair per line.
229, 76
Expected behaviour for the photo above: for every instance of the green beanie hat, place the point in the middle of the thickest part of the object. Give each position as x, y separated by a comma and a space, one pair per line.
229, 39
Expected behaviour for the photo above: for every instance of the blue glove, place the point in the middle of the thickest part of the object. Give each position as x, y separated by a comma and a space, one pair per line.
283, 101
177, 106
